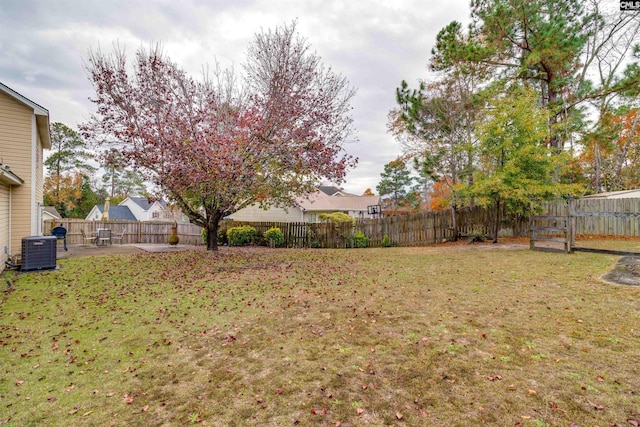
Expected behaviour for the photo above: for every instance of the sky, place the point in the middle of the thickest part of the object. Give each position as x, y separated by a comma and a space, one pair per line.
44, 45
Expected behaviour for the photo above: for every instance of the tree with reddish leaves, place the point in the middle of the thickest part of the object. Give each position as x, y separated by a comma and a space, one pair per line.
215, 146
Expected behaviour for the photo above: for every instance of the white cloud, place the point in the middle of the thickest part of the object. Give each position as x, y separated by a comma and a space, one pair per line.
374, 44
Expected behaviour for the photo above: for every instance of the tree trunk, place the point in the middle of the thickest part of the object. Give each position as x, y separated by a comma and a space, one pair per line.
212, 231
454, 222
212, 236
496, 222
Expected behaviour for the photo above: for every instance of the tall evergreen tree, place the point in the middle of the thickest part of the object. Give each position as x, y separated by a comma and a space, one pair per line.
69, 156
396, 182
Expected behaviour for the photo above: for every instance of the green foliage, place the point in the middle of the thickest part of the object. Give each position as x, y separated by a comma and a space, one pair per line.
222, 237
337, 218
68, 151
244, 235
274, 236
386, 242
396, 182
517, 166
358, 240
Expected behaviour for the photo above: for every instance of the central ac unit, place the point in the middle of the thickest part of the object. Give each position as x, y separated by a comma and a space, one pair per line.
39, 253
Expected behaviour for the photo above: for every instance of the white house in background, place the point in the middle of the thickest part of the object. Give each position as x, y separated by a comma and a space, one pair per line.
138, 209
143, 209
115, 213
308, 209
50, 213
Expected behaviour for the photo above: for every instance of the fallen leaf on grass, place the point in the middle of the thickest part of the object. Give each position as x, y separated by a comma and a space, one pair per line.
399, 415
19, 382
554, 406
145, 408
494, 377
634, 423
71, 387
359, 411
596, 406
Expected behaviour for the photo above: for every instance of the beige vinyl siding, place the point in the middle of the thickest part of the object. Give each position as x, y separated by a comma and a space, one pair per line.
253, 213
16, 150
4, 223
36, 225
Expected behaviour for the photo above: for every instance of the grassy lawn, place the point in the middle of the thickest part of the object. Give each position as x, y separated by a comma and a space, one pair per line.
457, 336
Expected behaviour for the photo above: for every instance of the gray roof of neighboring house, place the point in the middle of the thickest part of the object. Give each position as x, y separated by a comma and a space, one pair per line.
52, 211
330, 190
118, 212
144, 203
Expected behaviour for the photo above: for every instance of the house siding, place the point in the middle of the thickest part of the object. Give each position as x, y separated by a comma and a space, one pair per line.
253, 213
4, 223
38, 191
17, 125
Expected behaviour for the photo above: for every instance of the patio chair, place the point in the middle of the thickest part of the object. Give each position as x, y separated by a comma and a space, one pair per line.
118, 237
104, 237
61, 234
90, 238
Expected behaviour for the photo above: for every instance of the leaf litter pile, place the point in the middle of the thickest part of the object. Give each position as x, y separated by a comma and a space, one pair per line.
396, 336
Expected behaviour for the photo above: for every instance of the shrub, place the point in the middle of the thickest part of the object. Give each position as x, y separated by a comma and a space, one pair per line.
242, 236
337, 218
386, 242
358, 240
274, 237
222, 238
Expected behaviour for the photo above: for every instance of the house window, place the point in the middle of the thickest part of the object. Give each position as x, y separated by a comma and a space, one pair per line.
313, 218
156, 215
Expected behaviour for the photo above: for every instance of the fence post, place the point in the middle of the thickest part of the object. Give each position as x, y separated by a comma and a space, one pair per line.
571, 225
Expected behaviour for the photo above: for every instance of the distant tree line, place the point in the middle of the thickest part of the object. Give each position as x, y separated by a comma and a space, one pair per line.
77, 177
533, 101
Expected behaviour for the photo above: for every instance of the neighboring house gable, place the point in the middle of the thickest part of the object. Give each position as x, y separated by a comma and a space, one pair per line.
50, 213
24, 133
115, 213
143, 209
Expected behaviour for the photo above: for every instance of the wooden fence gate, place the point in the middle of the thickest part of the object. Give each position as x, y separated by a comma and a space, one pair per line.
584, 218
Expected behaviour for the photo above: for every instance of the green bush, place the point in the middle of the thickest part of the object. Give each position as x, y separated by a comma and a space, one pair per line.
222, 238
242, 236
386, 242
274, 237
337, 218
358, 240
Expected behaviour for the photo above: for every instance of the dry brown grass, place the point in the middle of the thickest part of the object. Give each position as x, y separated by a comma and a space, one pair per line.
453, 336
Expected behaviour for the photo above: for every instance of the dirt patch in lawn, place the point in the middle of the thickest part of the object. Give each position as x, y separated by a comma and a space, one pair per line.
625, 272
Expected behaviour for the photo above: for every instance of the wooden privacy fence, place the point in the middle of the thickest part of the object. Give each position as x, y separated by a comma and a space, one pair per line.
612, 217
131, 231
421, 228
